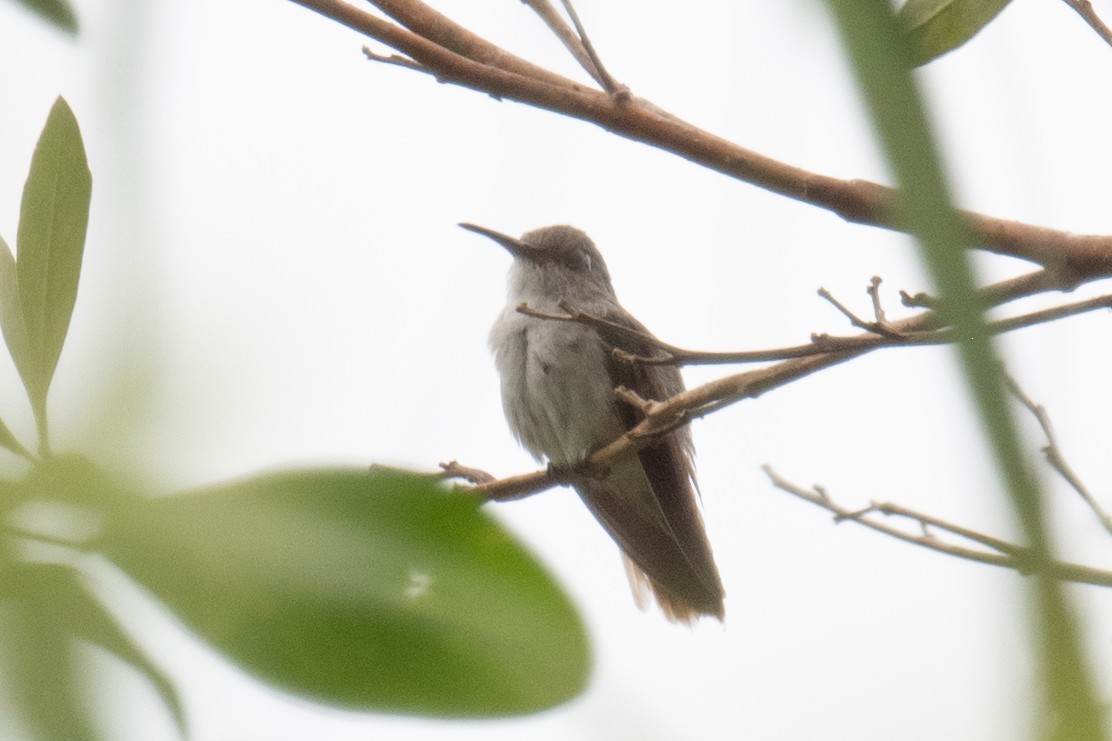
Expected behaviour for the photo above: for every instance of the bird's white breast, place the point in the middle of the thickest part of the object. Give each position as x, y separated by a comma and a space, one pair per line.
556, 391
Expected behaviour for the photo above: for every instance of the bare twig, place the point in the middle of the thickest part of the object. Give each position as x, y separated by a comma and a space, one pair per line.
918, 300
459, 56
1084, 9
878, 327
631, 397
617, 91
608, 327
874, 293
1028, 284
512, 488
664, 416
396, 60
456, 470
1054, 455
1003, 553
927, 522
820, 344
716, 395
579, 44
566, 35
454, 54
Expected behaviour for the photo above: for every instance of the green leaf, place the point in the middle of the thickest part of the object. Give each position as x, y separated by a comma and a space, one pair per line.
879, 57
935, 27
367, 590
52, 225
11, 311
57, 12
40, 664
11, 442
58, 591
11, 323
87, 618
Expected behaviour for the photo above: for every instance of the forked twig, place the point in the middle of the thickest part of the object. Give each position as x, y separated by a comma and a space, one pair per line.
878, 336
874, 293
617, 91
879, 327
567, 37
999, 552
1054, 455
456, 470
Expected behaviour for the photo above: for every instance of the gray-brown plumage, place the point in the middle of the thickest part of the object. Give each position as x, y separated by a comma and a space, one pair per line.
558, 380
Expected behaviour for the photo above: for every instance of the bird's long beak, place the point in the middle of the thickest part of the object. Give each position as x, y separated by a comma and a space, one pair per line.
515, 246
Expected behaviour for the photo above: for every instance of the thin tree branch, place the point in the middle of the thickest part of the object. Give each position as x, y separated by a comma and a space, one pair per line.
1054, 454
664, 417
711, 397
880, 328
458, 56
567, 36
877, 337
617, 91
1084, 9
1003, 553
874, 293
395, 59
456, 470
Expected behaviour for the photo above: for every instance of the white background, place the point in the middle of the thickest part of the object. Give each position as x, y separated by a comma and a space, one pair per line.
273, 277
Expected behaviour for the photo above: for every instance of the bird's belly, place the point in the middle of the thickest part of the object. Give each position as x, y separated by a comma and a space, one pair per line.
556, 389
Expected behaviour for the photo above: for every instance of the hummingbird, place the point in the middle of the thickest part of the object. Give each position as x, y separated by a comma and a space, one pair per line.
558, 382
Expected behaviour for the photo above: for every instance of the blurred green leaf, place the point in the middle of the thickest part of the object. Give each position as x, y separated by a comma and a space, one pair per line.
87, 618
11, 309
60, 502
38, 649
368, 590
58, 12
74, 480
52, 225
935, 27
879, 56
11, 323
11, 442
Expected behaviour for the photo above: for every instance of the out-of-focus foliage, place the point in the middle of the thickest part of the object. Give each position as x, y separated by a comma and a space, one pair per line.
935, 27
369, 590
58, 12
39, 298
880, 57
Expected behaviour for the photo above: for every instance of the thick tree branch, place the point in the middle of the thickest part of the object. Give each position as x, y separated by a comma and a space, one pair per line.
458, 56
431, 42
1084, 9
